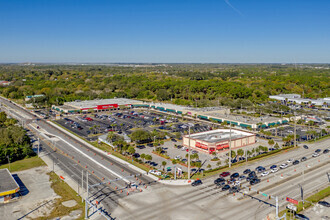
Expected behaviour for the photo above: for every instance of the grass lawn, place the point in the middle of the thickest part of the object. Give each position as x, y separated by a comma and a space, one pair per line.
67, 193
24, 164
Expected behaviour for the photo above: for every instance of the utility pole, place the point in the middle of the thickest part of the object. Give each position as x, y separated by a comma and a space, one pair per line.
86, 200
82, 185
295, 130
174, 172
229, 144
38, 146
189, 155
276, 198
8, 162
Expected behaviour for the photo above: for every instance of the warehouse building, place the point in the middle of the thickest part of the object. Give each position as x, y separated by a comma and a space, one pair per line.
8, 186
219, 140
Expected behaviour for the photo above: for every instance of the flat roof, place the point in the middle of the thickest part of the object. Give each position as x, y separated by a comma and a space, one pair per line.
242, 118
8, 185
219, 135
96, 102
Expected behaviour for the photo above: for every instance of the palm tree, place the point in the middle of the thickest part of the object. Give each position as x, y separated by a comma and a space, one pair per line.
164, 164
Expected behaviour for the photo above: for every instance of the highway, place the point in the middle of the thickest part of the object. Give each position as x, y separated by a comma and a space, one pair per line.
182, 202
73, 156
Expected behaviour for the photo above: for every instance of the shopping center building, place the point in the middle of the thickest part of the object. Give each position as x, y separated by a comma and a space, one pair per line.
219, 140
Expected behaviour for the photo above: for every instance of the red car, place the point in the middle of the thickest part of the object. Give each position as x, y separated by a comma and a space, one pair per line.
224, 174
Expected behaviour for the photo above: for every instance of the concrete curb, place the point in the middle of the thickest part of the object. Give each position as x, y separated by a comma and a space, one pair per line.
102, 152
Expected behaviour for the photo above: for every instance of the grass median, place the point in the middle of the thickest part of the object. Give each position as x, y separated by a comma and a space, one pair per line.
24, 164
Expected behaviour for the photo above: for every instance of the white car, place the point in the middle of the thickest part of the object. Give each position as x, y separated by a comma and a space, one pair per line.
283, 166
265, 173
158, 173
184, 148
315, 155
274, 170
178, 157
237, 183
289, 161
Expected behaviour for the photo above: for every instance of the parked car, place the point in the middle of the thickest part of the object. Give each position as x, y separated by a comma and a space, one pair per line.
305, 146
224, 174
326, 151
158, 173
289, 161
197, 182
136, 155
318, 151
241, 178
303, 159
295, 162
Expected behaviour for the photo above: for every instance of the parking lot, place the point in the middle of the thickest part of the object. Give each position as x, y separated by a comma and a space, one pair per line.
302, 132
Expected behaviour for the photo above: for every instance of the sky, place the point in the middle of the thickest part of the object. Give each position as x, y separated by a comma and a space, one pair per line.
165, 31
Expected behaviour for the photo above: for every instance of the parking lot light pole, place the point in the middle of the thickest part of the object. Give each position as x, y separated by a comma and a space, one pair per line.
295, 130
189, 155
229, 144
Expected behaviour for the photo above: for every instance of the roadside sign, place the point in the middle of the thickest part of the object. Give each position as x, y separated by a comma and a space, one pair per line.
291, 207
264, 194
293, 201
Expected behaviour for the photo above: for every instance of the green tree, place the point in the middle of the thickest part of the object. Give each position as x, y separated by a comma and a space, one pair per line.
164, 164
143, 156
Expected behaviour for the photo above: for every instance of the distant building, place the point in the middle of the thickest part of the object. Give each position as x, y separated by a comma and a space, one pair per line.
5, 83
8, 186
29, 97
219, 140
296, 98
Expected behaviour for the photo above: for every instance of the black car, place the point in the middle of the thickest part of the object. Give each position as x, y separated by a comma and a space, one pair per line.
318, 151
305, 146
252, 174
219, 180
136, 155
301, 217
234, 189
226, 187
173, 140
295, 162
324, 203
258, 167
326, 151
303, 159
197, 182
234, 175
254, 181
247, 171
140, 146
221, 184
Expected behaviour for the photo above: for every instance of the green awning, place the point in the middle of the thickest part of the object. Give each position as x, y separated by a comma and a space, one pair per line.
245, 125
170, 110
141, 105
271, 124
285, 121
202, 117
216, 119
179, 112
